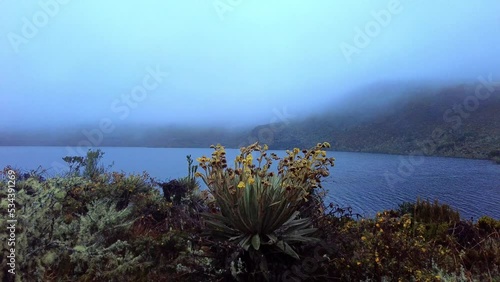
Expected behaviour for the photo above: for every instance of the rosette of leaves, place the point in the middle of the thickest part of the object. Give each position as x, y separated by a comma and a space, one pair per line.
259, 207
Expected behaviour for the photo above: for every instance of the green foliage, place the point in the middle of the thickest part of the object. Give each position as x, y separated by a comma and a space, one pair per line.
395, 245
427, 212
489, 224
494, 153
260, 208
385, 247
90, 163
108, 226
103, 228
92, 168
437, 218
75, 163
38, 238
178, 189
443, 275
86, 246
115, 186
495, 156
406, 208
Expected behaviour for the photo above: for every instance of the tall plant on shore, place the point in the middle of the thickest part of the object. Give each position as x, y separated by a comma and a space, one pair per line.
259, 206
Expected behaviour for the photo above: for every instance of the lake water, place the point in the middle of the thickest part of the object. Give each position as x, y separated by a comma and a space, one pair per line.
358, 180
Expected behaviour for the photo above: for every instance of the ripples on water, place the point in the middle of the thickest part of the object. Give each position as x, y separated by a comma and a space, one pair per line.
357, 180
471, 186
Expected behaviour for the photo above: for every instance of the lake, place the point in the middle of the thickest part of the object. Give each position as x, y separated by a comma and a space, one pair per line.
359, 180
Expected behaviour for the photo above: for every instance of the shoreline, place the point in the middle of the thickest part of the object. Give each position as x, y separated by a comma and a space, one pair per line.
497, 161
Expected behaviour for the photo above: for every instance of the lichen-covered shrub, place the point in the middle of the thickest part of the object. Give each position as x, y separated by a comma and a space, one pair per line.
108, 227
100, 245
39, 240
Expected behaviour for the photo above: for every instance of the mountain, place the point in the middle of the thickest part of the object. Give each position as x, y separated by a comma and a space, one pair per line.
394, 118
391, 118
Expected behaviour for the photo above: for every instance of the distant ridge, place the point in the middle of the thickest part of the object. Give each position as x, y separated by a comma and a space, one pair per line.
451, 121
393, 118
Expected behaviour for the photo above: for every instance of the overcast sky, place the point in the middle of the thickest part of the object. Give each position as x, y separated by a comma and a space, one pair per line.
226, 61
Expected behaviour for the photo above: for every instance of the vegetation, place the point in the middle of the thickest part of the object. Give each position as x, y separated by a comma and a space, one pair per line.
495, 155
259, 208
257, 221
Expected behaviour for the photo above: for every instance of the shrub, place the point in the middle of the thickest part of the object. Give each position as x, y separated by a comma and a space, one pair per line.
494, 153
259, 208
406, 208
90, 163
386, 247
106, 227
495, 156
395, 245
427, 212
489, 224
117, 227
38, 244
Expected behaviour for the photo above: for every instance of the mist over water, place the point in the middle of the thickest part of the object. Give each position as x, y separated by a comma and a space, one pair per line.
69, 63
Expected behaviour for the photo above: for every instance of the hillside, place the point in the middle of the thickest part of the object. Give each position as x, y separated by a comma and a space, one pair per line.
395, 118
449, 121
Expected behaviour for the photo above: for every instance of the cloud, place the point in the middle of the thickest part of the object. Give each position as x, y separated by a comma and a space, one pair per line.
263, 55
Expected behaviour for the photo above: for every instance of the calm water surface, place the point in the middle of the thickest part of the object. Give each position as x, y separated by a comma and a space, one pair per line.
357, 180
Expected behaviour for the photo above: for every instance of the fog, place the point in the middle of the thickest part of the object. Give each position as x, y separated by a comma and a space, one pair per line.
227, 63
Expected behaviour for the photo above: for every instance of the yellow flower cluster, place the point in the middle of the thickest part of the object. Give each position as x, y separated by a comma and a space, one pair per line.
296, 172
306, 170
